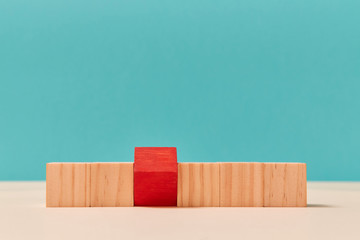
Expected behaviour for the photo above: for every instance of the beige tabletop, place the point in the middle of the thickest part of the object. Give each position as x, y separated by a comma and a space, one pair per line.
333, 213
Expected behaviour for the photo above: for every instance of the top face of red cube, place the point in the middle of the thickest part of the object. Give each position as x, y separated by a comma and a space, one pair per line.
155, 159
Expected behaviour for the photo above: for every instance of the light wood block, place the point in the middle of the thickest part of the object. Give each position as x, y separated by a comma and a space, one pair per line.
285, 185
112, 185
67, 185
241, 184
198, 185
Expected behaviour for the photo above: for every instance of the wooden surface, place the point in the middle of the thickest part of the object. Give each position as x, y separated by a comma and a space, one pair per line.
333, 213
112, 185
285, 185
198, 185
155, 176
241, 184
68, 185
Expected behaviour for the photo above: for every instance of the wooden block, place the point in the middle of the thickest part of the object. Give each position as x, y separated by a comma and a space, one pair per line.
285, 185
155, 176
67, 185
198, 185
241, 184
112, 185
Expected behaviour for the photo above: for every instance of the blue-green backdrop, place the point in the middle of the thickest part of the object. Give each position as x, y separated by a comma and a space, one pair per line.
222, 80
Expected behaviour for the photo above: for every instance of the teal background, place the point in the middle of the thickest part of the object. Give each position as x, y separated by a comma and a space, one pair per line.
225, 80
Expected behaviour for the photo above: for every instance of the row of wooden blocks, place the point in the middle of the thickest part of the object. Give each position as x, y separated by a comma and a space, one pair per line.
198, 185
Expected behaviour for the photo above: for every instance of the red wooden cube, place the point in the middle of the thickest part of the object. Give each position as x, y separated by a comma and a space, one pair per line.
155, 176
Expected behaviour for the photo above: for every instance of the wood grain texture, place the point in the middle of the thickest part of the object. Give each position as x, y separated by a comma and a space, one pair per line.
155, 176
88, 184
241, 184
198, 185
285, 185
112, 185
67, 185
